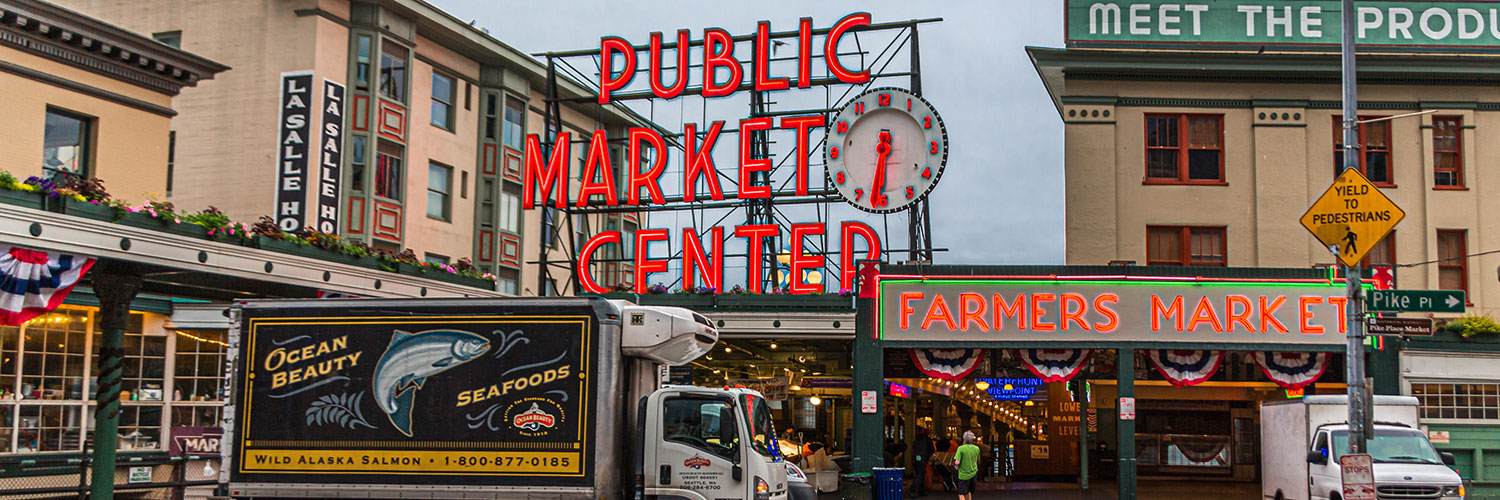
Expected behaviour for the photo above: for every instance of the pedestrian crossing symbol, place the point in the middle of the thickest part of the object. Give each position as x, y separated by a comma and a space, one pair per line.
1351, 217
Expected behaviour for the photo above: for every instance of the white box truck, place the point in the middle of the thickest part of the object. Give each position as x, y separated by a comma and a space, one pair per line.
523, 398
1302, 440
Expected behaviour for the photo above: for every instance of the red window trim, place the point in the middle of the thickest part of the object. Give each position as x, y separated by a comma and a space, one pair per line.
1182, 151
1185, 243
1463, 261
1390, 151
1389, 237
1458, 144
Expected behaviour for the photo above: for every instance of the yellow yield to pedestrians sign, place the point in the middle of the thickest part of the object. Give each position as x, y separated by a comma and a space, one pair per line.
1352, 216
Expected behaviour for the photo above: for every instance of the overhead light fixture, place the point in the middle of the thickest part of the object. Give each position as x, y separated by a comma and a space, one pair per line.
727, 349
815, 400
982, 385
796, 387
773, 345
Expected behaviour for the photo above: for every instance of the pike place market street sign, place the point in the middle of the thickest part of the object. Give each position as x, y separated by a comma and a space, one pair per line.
1400, 326
1351, 216
1111, 309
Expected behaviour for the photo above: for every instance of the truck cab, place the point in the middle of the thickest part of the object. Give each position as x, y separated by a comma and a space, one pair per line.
1406, 465
702, 443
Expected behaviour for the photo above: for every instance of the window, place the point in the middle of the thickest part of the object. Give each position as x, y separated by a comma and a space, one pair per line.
1374, 147
66, 144
357, 164
510, 209
1458, 400
1453, 262
489, 116
701, 423
362, 47
515, 128
388, 170
198, 373
508, 281
393, 71
171, 39
442, 101
1184, 148
435, 258
1383, 253
53, 355
171, 158
439, 190
1447, 151
1185, 246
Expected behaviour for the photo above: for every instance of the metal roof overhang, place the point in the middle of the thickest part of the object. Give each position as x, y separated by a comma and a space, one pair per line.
180, 266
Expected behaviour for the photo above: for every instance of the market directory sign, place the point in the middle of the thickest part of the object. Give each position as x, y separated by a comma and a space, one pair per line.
1308, 23
1107, 309
456, 396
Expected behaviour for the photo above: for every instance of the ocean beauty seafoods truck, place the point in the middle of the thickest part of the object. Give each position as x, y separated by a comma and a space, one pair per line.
523, 398
1302, 440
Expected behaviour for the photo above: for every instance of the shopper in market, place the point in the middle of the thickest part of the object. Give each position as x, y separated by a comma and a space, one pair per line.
966, 459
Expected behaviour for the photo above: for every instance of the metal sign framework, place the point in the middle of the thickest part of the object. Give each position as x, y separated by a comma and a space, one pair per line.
899, 37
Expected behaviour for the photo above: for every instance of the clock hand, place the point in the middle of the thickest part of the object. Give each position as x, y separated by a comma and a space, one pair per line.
882, 150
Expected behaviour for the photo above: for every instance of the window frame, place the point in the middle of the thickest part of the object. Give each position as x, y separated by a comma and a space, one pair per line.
1364, 150
85, 158
171, 38
1390, 251
1463, 260
1185, 245
449, 113
732, 453
506, 124
395, 153
1183, 148
1422, 406
400, 87
446, 194
1457, 152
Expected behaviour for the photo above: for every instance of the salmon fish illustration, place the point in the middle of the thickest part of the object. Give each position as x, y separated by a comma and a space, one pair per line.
411, 358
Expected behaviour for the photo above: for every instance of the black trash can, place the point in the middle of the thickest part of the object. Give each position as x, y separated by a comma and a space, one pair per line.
888, 483
855, 487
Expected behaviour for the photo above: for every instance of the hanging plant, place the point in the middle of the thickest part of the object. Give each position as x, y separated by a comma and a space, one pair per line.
1470, 325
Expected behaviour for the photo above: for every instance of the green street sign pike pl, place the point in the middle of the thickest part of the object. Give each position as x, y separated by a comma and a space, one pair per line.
1436, 301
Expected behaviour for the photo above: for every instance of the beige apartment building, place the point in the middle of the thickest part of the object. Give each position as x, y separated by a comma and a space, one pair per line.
1209, 158
435, 113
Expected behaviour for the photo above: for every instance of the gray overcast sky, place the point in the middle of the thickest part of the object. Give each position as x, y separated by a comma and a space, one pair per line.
1000, 200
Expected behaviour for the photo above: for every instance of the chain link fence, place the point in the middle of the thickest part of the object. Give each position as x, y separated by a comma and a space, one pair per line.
160, 478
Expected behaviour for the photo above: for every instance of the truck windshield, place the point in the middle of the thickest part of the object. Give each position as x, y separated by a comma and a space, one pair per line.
763, 434
1392, 446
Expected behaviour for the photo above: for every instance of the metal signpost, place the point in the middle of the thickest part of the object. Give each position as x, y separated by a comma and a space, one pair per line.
1437, 301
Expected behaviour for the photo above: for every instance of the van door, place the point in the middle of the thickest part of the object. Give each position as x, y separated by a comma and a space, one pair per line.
698, 448
1323, 478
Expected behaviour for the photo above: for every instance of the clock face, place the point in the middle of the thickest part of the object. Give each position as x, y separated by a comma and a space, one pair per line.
885, 150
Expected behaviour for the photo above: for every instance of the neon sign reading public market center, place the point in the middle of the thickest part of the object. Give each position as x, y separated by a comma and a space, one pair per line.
548, 175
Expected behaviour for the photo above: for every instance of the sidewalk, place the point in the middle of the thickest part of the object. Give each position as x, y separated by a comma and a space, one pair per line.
1106, 490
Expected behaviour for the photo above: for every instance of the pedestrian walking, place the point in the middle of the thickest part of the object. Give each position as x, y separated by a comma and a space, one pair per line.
966, 459
920, 455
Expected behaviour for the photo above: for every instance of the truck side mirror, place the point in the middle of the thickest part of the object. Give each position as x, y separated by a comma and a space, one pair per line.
1317, 457
737, 473
1448, 458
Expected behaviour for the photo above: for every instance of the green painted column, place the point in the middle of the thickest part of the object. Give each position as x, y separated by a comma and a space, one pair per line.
1125, 371
115, 286
1083, 434
869, 375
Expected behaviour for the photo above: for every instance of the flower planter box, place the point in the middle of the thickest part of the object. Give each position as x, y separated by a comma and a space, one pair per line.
410, 270
22, 198
312, 252
688, 300
459, 279
88, 210
188, 229
142, 220
783, 301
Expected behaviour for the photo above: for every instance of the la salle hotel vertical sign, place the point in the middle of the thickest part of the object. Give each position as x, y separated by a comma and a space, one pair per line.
330, 156
291, 161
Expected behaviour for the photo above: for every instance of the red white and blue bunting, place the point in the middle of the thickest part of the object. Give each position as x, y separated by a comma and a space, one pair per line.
947, 364
1186, 367
33, 282
1292, 370
1053, 365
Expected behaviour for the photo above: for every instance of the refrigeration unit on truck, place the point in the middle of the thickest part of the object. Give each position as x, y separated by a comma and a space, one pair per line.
523, 398
1302, 440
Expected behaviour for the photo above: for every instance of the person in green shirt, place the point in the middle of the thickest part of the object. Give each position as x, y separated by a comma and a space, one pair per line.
966, 459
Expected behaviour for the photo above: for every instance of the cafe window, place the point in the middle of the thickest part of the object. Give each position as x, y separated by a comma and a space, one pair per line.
1447, 152
515, 128
388, 170
1374, 150
1185, 246
53, 355
48, 428
145, 363
442, 101
1184, 148
67, 143
439, 191
393, 71
363, 45
1453, 260
1383, 253
198, 371
1458, 400
701, 423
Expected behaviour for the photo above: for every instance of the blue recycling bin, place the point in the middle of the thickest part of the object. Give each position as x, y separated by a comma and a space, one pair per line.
888, 482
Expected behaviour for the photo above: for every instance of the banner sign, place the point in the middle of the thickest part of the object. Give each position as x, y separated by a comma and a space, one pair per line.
1125, 310
1011, 389
196, 440
431, 397
328, 161
827, 383
291, 148
1235, 24
773, 389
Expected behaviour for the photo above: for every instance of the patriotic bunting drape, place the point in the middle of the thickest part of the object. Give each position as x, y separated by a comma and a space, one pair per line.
947, 364
1053, 365
33, 282
1186, 367
1292, 370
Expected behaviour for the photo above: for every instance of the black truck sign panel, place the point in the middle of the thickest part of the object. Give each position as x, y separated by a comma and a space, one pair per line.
439, 395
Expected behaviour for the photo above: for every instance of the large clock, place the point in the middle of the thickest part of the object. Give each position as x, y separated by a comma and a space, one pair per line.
885, 150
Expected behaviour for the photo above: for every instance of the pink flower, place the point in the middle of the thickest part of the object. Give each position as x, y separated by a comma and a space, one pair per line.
231, 230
